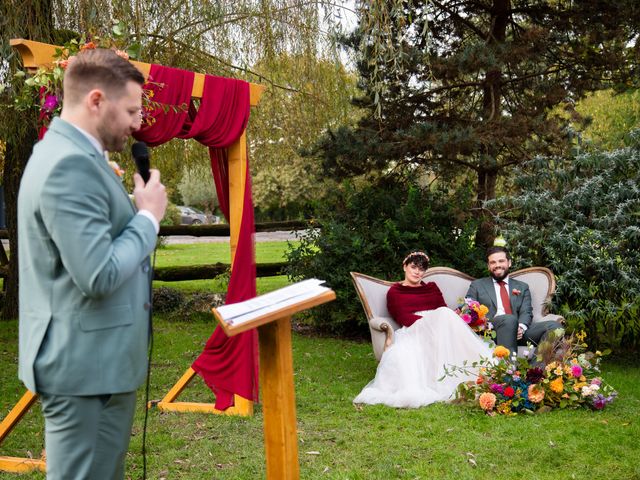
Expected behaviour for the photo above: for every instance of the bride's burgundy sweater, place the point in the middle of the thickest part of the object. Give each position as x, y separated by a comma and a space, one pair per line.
403, 302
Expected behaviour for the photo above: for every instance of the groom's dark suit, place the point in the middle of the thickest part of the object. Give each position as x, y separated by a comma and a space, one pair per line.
506, 326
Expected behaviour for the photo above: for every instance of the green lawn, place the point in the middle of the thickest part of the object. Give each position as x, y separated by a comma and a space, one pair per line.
338, 440
207, 253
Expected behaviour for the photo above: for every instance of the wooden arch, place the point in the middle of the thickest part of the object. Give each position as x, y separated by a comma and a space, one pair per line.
37, 54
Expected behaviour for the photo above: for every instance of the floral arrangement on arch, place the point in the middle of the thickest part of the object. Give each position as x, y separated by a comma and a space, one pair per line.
44, 87
474, 314
563, 375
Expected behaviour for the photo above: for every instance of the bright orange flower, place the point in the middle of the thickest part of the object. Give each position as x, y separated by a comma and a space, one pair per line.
501, 352
557, 385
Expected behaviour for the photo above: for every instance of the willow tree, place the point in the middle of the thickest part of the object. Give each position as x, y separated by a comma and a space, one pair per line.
469, 87
221, 38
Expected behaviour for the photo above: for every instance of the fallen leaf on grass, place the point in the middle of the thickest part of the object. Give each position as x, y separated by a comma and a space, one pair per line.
313, 452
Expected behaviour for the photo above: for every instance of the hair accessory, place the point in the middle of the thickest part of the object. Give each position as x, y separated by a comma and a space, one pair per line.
419, 254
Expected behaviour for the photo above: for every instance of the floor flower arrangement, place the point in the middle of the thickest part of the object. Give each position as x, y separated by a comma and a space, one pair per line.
563, 374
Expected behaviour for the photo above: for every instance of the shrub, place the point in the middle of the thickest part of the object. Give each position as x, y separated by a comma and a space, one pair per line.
579, 216
369, 230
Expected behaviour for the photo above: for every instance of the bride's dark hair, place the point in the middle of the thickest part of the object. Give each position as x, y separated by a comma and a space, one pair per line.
418, 258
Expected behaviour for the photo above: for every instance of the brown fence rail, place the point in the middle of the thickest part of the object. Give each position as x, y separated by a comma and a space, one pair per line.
204, 272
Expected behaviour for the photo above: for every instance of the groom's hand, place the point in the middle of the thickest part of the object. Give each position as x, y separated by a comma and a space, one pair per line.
520, 332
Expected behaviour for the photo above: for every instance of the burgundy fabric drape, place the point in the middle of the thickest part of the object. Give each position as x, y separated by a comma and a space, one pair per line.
228, 365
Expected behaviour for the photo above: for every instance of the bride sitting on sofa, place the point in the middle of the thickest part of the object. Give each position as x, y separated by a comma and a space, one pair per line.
432, 337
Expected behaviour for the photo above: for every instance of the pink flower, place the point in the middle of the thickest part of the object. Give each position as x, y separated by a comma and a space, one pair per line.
122, 54
515, 291
466, 317
50, 103
576, 371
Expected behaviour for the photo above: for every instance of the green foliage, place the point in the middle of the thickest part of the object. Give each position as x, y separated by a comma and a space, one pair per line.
197, 187
370, 230
579, 216
470, 87
611, 117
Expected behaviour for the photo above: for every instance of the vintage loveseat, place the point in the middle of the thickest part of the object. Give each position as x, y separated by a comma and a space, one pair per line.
454, 286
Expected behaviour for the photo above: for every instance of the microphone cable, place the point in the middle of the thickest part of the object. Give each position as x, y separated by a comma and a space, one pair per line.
148, 381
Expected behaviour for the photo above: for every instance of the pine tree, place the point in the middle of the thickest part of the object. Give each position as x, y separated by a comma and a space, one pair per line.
473, 85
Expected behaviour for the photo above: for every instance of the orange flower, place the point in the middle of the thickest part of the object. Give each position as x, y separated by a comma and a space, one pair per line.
557, 385
536, 393
88, 46
479, 381
487, 401
501, 352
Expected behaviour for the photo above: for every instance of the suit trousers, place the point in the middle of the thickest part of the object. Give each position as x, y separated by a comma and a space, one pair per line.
87, 437
506, 327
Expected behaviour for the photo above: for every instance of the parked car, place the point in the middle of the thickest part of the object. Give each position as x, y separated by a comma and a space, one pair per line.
192, 216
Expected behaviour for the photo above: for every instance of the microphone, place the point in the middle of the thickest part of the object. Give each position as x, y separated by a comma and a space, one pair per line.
140, 154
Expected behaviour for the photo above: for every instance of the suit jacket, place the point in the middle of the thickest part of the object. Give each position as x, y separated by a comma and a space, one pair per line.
483, 290
84, 268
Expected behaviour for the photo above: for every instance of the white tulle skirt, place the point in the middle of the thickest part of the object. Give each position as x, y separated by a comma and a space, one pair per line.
410, 369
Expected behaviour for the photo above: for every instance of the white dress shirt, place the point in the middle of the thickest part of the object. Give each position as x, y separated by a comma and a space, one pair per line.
499, 305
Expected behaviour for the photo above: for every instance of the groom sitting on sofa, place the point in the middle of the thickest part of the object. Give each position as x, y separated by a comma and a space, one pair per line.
509, 303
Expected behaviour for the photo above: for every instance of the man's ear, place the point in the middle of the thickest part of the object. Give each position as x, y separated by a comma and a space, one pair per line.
94, 99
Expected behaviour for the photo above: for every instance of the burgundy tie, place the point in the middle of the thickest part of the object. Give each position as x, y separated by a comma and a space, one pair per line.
504, 296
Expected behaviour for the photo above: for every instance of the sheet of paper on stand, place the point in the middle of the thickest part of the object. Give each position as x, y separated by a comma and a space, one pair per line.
237, 313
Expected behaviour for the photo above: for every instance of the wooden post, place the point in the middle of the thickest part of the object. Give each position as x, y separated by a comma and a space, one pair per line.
276, 379
15, 464
278, 398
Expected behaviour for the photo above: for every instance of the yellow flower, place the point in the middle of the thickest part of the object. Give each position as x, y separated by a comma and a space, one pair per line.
501, 352
557, 385
583, 378
504, 408
558, 371
483, 310
550, 366
579, 385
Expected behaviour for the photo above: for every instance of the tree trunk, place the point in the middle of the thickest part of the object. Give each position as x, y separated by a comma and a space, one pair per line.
31, 20
492, 110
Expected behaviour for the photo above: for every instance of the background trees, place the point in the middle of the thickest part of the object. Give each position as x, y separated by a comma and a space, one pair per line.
473, 85
243, 39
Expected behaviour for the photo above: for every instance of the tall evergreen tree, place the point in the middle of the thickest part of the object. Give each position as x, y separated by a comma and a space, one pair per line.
473, 83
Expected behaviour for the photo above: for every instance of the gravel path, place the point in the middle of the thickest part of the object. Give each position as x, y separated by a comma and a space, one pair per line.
260, 237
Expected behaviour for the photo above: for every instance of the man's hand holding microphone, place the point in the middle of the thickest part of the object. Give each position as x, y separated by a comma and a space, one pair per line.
149, 193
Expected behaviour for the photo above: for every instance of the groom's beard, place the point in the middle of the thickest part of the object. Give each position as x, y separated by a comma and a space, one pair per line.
499, 276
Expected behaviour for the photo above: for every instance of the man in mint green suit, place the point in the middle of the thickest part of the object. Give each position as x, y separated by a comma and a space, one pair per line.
83, 252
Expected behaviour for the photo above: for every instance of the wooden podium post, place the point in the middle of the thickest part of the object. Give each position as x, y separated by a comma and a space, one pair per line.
276, 378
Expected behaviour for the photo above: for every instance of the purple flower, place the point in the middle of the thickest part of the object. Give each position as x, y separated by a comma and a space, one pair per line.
50, 103
576, 371
497, 388
599, 402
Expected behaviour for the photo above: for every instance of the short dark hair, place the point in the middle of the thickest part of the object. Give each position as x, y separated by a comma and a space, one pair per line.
496, 249
417, 258
98, 68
